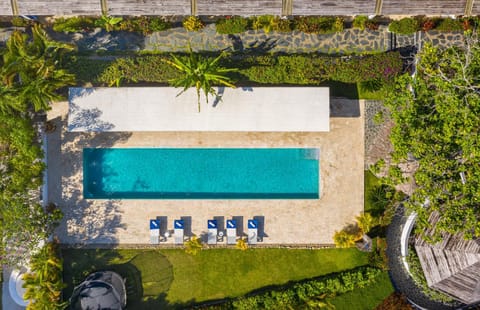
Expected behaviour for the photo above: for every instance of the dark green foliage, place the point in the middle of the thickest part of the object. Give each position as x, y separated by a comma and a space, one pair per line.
360, 21
378, 256
73, 24
436, 116
141, 24
299, 294
407, 25
449, 24
306, 69
231, 25
144, 24
318, 24
353, 69
18, 21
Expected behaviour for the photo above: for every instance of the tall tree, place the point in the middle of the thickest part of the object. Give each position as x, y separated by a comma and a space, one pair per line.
200, 72
437, 115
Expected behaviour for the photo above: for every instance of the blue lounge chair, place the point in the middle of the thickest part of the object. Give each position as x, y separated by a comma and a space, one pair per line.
212, 232
252, 231
154, 231
178, 231
231, 232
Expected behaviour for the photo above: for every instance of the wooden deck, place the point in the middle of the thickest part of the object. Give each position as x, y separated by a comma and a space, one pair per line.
451, 265
423, 7
235, 7
148, 7
58, 7
5, 8
238, 7
333, 7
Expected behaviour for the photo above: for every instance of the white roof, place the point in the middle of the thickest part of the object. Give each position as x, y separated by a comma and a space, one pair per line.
160, 109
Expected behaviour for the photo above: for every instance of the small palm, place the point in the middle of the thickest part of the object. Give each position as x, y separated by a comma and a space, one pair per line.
201, 73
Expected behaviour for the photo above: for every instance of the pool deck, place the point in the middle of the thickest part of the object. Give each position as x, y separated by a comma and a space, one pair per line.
126, 222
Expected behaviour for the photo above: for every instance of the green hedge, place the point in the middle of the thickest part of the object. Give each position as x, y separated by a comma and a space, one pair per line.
299, 294
303, 69
307, 24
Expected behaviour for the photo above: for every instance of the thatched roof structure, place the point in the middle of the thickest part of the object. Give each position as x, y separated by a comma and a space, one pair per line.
452, 265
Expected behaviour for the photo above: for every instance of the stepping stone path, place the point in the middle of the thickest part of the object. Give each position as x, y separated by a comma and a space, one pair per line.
177, 40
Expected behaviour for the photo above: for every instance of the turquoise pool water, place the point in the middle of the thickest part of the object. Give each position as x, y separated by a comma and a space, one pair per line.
200, 173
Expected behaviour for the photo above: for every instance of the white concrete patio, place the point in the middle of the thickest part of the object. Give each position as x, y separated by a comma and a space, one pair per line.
258, 109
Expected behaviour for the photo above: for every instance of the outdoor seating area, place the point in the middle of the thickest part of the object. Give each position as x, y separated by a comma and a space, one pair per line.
214, 234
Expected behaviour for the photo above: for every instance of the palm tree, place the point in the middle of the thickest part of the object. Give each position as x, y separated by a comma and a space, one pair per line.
201, 73
30, 68
43, 285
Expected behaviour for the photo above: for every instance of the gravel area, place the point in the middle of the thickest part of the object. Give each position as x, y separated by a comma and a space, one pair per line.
400, 277
377, 142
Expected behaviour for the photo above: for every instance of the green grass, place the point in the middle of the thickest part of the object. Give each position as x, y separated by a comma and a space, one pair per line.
173, 279
366, 298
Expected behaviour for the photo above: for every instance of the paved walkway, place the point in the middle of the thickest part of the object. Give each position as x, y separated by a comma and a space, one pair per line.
178, 39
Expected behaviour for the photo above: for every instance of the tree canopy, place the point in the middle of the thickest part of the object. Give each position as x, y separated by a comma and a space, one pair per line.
29, 81
436, 116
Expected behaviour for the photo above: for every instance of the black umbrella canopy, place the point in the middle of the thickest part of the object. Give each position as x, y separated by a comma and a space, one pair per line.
104, 290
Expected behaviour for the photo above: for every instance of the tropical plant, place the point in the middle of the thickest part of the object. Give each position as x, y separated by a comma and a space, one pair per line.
359, 21
231, 25
30, 70
242, 244
43, 283
193, 23
344, 239
109, 23
200, 72
73, 24
406, 25
193, 246
365, 222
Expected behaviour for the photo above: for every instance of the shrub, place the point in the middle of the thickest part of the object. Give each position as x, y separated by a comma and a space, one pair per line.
428, 24
372, 24
109, 23
242, 244
359, 22
378, 256
269, 23
231, 25
318, 24
18, 21
353, 69
193, 246
43, 284
344, 239
405, 25
73, 24
395, 301
306, 69
449, 24
193, 23
144, 24
295, 296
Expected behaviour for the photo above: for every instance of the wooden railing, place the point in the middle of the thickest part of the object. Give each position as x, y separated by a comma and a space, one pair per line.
239, 7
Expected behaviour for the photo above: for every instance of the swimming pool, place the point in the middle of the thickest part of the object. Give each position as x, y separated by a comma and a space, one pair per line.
201, 173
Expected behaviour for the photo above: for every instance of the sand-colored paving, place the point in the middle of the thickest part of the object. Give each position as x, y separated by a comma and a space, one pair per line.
125, 222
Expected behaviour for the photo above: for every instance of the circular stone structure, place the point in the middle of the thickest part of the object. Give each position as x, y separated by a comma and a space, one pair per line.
15, 287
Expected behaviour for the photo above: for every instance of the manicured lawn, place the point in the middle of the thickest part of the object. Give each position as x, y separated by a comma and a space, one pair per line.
173, 279
366, 298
